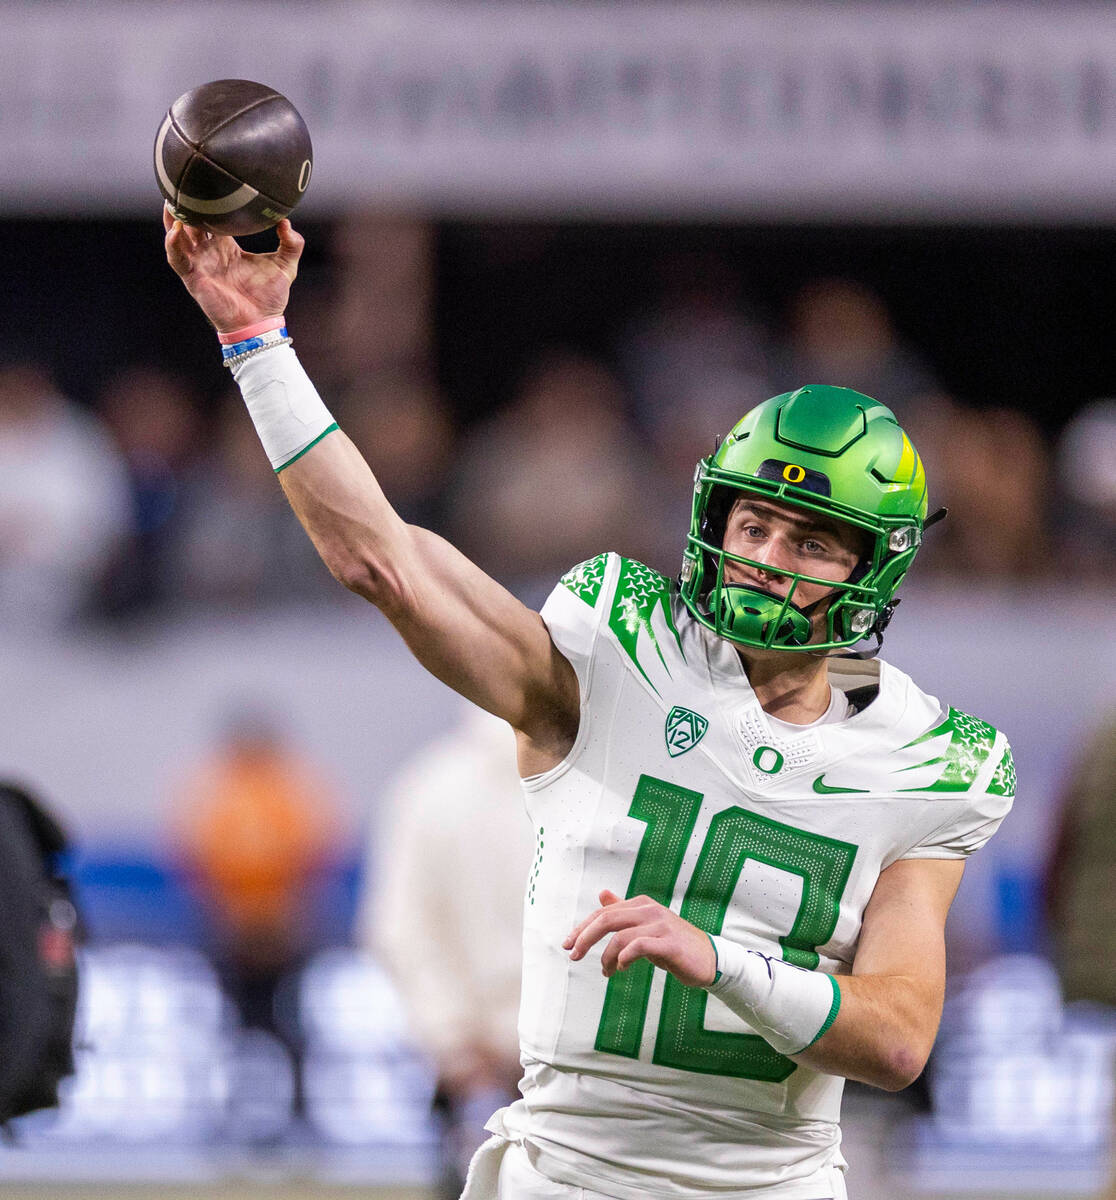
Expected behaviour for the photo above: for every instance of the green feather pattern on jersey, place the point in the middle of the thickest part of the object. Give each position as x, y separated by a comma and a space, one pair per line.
970, 744
639, 592
586, 579
1003, 782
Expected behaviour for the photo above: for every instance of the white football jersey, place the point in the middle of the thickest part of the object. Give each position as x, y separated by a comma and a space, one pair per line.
680, 787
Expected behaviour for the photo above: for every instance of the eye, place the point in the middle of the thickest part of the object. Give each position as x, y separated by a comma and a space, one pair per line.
813, 546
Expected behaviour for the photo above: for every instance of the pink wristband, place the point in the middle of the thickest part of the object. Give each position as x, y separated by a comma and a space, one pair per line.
250, 331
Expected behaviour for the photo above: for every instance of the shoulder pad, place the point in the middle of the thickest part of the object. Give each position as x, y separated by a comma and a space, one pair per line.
965, 757
586, 580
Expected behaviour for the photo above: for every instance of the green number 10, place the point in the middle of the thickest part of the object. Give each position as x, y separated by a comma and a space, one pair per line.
735, 835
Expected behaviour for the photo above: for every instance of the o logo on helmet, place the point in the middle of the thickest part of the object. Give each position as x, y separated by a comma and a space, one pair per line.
793, 473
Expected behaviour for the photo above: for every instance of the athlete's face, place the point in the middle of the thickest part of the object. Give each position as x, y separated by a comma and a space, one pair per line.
785, 540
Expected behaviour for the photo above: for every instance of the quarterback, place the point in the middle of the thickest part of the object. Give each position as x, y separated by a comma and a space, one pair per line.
747, 841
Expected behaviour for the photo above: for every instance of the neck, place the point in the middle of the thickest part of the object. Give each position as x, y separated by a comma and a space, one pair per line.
791, 686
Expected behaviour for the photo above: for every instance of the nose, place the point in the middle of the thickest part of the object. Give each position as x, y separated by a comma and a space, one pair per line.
770, 558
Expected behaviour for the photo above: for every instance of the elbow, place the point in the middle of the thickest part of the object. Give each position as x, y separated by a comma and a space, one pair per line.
352, 572
363, 574
900, 1068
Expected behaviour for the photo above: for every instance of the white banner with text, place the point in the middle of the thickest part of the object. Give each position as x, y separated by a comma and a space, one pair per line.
651, 110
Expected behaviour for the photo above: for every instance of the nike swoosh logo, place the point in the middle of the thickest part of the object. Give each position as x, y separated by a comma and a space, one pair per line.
823, 789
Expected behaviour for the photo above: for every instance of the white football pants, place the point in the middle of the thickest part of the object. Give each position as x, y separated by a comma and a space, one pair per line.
501, 1170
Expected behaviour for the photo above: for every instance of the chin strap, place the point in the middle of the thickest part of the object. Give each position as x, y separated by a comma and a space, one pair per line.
884, 619
934, 518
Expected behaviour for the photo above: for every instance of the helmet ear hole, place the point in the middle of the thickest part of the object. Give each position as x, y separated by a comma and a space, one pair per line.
863, 566
715, 517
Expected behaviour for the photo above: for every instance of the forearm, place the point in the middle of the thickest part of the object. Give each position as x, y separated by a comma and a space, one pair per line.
892, 1002
882, 1034
329, 485
359, 536
874, 1028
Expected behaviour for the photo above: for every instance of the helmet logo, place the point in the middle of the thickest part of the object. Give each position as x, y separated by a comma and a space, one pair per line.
779, 471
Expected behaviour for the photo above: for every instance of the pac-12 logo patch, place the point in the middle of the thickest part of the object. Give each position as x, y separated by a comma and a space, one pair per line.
684, 729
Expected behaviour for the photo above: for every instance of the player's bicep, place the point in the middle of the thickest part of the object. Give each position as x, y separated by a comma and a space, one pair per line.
903, 931
484, 643
460, 624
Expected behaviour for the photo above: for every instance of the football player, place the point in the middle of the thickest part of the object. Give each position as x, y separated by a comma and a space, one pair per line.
747, 843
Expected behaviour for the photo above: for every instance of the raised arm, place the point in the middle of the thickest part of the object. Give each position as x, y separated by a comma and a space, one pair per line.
460, 624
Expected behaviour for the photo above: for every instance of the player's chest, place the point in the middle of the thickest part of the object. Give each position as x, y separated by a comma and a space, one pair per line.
712, 734
706, 806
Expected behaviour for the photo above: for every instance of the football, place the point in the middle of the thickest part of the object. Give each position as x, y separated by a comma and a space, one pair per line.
233, 156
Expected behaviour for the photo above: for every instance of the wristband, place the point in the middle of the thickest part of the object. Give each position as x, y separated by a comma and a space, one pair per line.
284, 405
249, 331
788, 1006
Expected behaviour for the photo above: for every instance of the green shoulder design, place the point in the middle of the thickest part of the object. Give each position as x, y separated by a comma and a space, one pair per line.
640, 594
586, 579
1003, 781
971, 741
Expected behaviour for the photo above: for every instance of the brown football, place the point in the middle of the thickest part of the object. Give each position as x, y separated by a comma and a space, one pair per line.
233, 156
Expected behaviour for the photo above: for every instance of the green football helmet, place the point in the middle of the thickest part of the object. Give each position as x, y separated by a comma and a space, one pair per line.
827, 450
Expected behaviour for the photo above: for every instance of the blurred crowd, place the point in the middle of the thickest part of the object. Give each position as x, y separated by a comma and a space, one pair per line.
159, 499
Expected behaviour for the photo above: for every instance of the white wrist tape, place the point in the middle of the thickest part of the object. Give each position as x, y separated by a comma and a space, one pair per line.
284, 405
788, 1006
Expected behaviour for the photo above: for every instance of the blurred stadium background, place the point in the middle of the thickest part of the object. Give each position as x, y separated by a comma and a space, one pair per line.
553, 250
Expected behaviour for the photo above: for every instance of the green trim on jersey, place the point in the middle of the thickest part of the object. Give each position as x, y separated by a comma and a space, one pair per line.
639, 592
586, 579
970, 744
834, 1009
536, 866
1003, 781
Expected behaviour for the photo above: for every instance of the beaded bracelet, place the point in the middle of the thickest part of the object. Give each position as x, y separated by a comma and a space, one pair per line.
254, 346
232, 355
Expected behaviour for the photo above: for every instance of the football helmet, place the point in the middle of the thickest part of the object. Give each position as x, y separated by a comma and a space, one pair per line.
827, 450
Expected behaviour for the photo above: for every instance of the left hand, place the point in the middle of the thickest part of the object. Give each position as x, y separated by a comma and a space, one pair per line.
644, 928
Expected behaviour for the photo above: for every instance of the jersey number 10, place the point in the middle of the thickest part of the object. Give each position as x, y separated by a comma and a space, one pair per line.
735, 835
